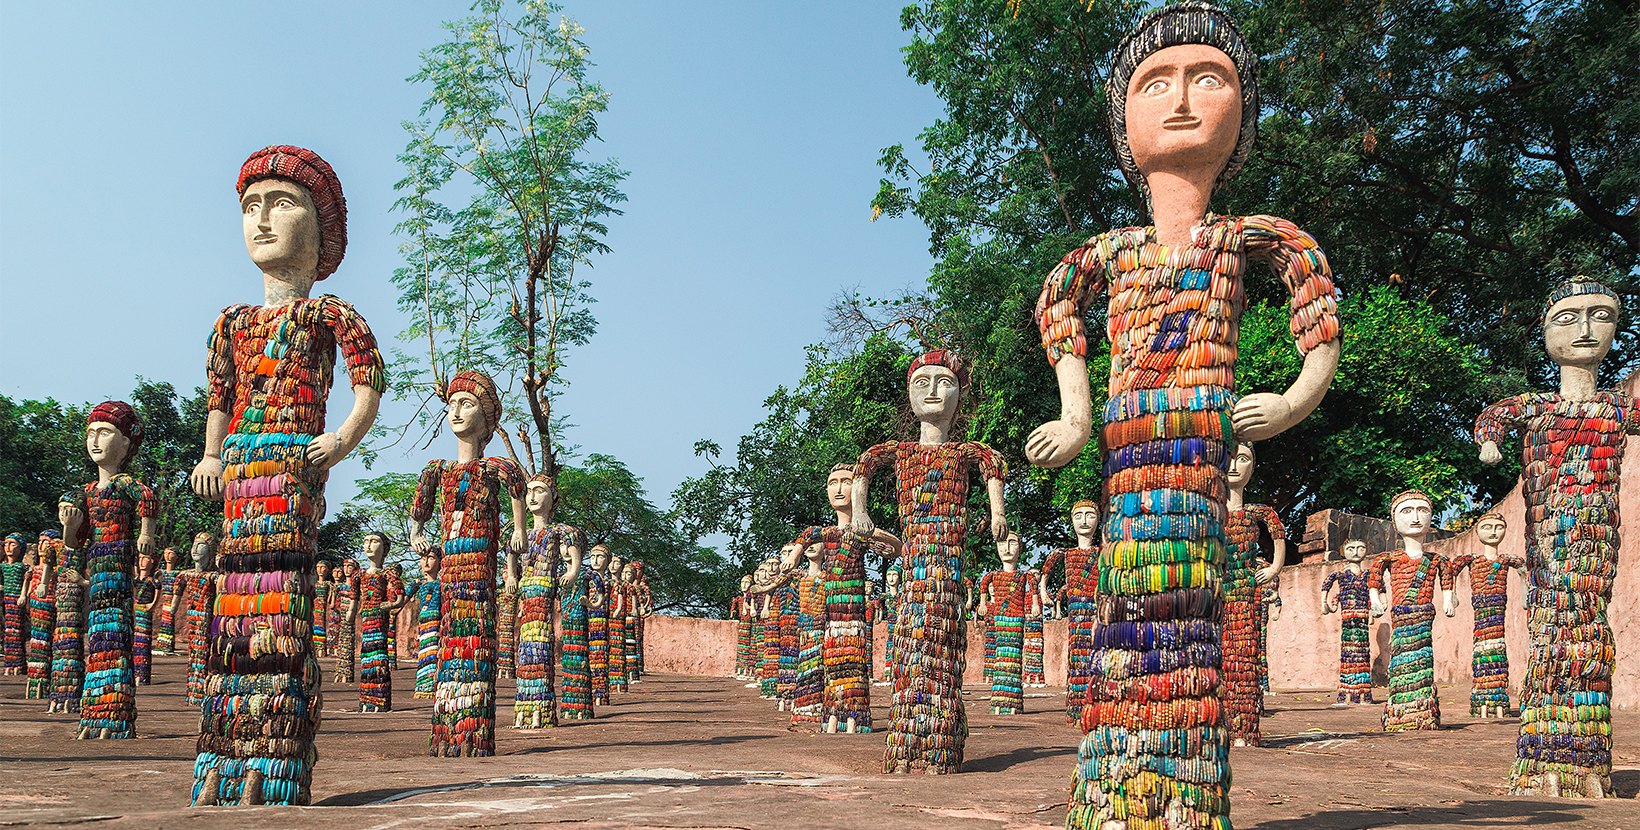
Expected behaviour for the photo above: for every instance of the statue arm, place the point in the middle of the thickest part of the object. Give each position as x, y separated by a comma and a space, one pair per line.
368, 374
1059, 312
221, 375
1449, 594
422, 505
1278, 545
861, 493
1497, 421
1301, 264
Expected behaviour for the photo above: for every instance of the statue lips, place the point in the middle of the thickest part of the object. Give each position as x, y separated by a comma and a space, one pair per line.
1182, 122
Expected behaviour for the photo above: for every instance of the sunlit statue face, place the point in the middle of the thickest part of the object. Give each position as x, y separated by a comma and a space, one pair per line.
1184, 111
746, 583
1354, 550
1085, 520
1490, 530
615, 566
598, 557
934, 394
145, 563
14, 550
376, 549
172, 557
350, 567
1008, 549
538, 498
1578, 331
1241, 467
789, 556
840, 489
1412, 518
466, 416
281, 226
628, 573
429, 564
893, 579
204, 556
106, 445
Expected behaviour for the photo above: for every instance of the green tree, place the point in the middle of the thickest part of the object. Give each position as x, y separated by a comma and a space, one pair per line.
173, 441
42, 444
382, 505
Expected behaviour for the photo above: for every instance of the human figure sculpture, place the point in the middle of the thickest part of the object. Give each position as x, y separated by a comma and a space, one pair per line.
1031, 668
68, 630
643, 604
632, 618
196, 593
344, 640
144, 597
809, 686
591, 605
780, 635
740, 606
846, 650
41, 588
324, 590
1572, 450
1244, 612
395, 573
506, 625
616, 597
1354, 607
1183, 96
1488, 594
1413, 572
890, 603
467, 493
165, 635
927, 722
428, 609
1268, 597
13, 573
267, 456
377, 597
1006, 597
768, 614
1080, 591
553, 547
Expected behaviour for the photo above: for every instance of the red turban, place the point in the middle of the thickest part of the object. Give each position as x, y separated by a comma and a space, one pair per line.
123, 418
305, 168
480, 386
941, 357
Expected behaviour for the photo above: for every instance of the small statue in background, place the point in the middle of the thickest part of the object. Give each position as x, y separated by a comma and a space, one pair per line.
1355, 637
889, 609
740, 607
428, 610
617, 597
1244, 613
144, 596
377, 599
344, 639
552, 547
1006, 597
42, 611
324, 590
1489, 593
1081, 593
593, 606
1413, 572
165, 636
13, 573
809, 684
196, 592
506, 625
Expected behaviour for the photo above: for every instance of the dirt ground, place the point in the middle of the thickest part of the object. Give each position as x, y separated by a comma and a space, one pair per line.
699, 752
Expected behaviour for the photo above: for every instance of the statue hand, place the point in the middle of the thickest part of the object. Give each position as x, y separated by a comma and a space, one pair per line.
999, 527
516, 543
511, 587
1378, 608
69, 517
1275, 612
1449, 603
1261, 415
863, 524
1265, 575
420, 544
206, 479
1056, 443
324, 451
1490, 453
146, 544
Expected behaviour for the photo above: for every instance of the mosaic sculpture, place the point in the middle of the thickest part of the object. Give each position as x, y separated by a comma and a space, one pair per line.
643, 604
553, 548
809, 685
13, 602
589, 603
1488, 594
196, 593
1353, 606
428, 608
1184, 109
267, 456
740, 607
68, 632
1031, 668
324, 591
42, 612
1080, 596
768, 613
616, 596
927, 722
468, 493
377, 599
1245, 612
890, 612
1006, 597
1413, 573
165, 633
395, 572
506, 626
631, 615
144, 596
344, 640
1572, 450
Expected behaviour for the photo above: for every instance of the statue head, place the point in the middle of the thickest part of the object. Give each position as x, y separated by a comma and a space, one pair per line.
791, 554
616, 566
629, 572
15, 546
840, 487
350, 567
1490, 529
429, 563
598, 558
893, 577
934, 384
1085, 518
1412, 513
376, 547
396, 570
540, 495
204, 550
745, 583
1009, 549
145, 564
1580, 322
473, 406
1241, 466
48, 547
294, 214
172, 558
322, 568
1183, 96
113, 432
1354, 550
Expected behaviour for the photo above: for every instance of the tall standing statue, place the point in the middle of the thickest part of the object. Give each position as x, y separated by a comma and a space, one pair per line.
1030, 666
809, 687
1488, 594
552, 547
115, 517
1244, 612
616, 596
633, 606
13, 573
1184, 109
506, 624
1355, 636
428, 608
1006, 597
170, 566
847, 647
643, 604
592, 605
344, 637
1081, 590
377, 597
324, 593
144, 596
1572, 449
468, 493
890, 603
741, 608
68, 631
1413, 573
267, 456
927, 723
42, 612
195, 596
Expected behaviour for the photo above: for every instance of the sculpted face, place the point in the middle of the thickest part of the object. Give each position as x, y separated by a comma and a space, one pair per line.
429, 564
893, 579
466, 417
1184, 111
745, 583
350, 567
1578, 330
598, 557
1009, 548
840, 489
1354, 550
789, 555
204, 556
14, 550
376, 549
323, 569
1490, 529
615, 565
934, 394
538, 498
145, 564
171, 557
105, 444
1085, 520
281, 226
1412, 518
1241, 467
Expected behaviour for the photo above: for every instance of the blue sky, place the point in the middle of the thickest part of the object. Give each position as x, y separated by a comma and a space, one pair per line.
751, 133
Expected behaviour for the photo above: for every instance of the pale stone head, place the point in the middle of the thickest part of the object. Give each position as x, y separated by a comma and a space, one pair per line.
322, 567
1241, 466
892, 579
204, 551
145, 563
281, 227
1085, 518
1353, 550
1009, 549
1578, 330
628, 573
171, 557
376, 547
1184, 112
790, 555
598, 558
840, 487
350, 567
466, 416
429, 563
745, 583
934, 394
1412, 514
1490, 529
106, 445
540, 496
617, 567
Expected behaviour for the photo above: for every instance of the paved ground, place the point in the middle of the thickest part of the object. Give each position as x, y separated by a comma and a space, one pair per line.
699, 752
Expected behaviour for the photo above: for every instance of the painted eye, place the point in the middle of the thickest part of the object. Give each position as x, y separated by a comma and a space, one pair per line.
1604, 315
1155, 87
1210, 81
250, 207
1565, 318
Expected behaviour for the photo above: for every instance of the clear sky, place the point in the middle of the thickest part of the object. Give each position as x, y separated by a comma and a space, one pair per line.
751, 132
